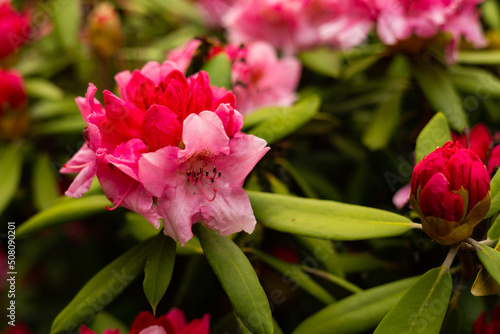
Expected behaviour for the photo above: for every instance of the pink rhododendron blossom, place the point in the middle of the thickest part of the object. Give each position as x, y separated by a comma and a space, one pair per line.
170, 148
399, 20
174, 322
214, 10
14, 29
294, 25
258, 76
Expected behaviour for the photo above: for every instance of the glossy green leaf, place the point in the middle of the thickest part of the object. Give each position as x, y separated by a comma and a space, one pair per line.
423, 306
323, 252
139, 227
45, 190
104, 321
324, 61
297, 275
490, 258
485, 284
102, 289
495, 195
490, 11
435, 134
441, 94
69, 210
238, 279
260, 115
479, 57
219, 71
286, 120
383, 123
43, 89
11, 160
67, 19
359, 262
159, 268
325, 219
356, 313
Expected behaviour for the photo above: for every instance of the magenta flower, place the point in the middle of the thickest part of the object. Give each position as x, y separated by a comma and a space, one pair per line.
294, 25
171, 149
259, 77
450, 190
14, 29
12, 94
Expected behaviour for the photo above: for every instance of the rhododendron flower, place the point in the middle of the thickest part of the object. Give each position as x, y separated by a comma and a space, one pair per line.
399, 20
214, 10
483, 326
171, 148
479, 141
14, 29
12, 93
450, 191
258, 76
294, 25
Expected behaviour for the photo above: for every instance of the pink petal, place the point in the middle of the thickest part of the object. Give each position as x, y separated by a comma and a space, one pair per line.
160, 128
156, 169
480, 139
198, 326
156, 71
231, 119
177, 319
183, 55
153, 330
122, 79
140, 91
229, 212
84, 163
494, 159
126, 157
401, 197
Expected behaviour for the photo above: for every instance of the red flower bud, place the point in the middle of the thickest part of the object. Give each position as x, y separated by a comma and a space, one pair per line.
105, 30
12, 93
450, 190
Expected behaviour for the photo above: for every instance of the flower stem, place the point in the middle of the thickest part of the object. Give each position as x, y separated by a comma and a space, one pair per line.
450, 257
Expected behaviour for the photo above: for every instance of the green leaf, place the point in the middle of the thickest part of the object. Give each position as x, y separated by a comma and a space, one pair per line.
423, 306
104, 321
238, 279
490, 258
490, 11
68, 210
479, 57
495, 195
494, 231
441, 94
383, 123
324, 252
483, 84
359, 262
219, 71
285, 120
325, 219
48, 109
484, 284
297, 275
359, 65
67, 21
102, 289
11, 160
324, 61
159, 268
435, 134
45, 190
62, 125
356, 313
43, 89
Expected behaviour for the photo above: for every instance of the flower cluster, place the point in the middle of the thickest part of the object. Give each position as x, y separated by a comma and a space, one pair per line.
170, 148
295, 25
14, 26
450, 190
258, 76
174, 322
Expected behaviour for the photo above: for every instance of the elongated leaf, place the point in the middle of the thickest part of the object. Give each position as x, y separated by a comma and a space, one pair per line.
384, 121
219, 71
260, 115
104, 321
238, 279
67, 19
481, 57
441, 94
485, 284
45, 189
285, 121
323, 61
297, 275
43, 89
423, 306
102, 289
494, 231
324, 252
495, 195
66, 211
359, 262
490, 12
325, 219
159, 268
11, 160
357, 313
490, 258
67, 124
356, 66
483, 84
434, 134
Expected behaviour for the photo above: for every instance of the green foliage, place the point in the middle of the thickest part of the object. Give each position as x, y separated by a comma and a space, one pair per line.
45, 190
495, 195
219, 71
11, 159
490, 258
435, 134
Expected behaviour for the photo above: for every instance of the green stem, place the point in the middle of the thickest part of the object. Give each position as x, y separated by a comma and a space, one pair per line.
450, 257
